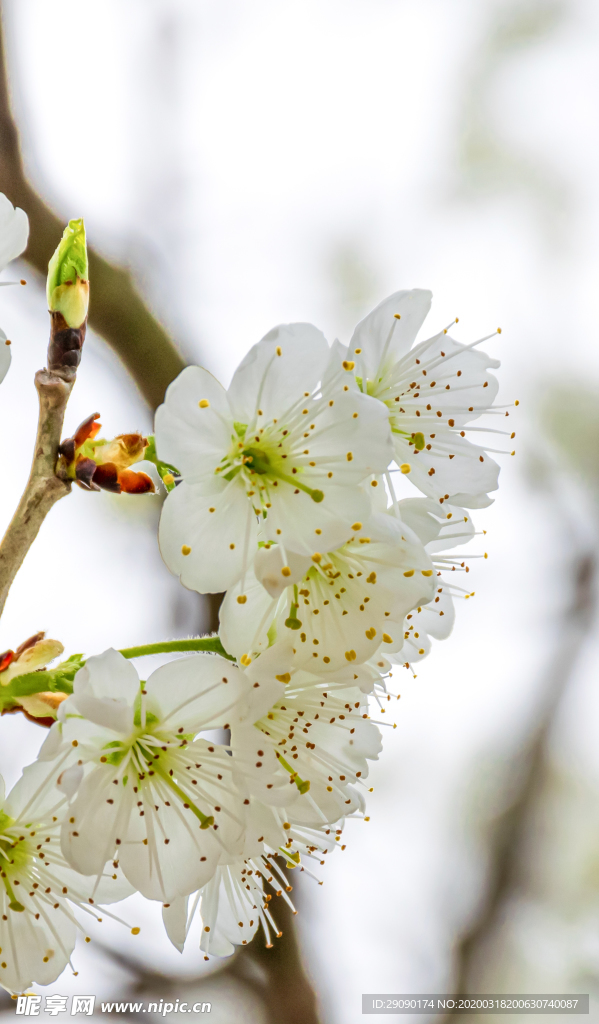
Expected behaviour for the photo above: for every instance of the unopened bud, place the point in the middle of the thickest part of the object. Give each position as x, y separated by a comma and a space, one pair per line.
68, 284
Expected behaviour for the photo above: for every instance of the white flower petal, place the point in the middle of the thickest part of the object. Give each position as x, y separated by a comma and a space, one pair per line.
384, 339
216, 541
99, 813
174, 917
69, 780
177, 859
109, 676
194, 426
269, 565
244, 625
33, 951
262, 687
271, 382
5, 356
195, 693
14, 231
230, 914
466, 477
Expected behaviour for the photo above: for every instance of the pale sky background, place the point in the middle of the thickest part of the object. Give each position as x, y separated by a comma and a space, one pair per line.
279, 160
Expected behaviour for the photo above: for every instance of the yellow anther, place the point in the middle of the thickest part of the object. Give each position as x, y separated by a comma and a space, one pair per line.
350, 655
185, 549
204, 404
348, 364
397, 316
245, 659
517, 402
241, 599
405, 467
499, 330
349, 457
409, 572
486, 555
421, 650
286, 825
357, 351
316, 557
387, 639
279, 351
285, 571
135, 931
371, 578
357, 526
426, 572
371, 633
285, 678
168, 479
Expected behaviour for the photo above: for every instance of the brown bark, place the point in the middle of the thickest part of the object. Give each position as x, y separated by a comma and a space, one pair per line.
43, 488
119, 315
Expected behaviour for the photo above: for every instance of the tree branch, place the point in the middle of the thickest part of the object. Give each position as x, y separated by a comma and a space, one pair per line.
512, 828
119, 315
43, 488
117, 312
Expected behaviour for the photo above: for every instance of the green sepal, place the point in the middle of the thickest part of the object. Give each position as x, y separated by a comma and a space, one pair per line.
164, 468
67, 286
54, 680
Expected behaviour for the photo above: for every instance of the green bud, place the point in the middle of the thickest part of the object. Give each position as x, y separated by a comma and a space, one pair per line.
68, 285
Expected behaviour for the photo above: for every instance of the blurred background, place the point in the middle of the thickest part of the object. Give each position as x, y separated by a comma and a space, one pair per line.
281, 160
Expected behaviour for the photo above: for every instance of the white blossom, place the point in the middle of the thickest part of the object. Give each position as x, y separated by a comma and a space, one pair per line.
432, 390
440, 530
14, 231
288, 444
238, 899
153, 795
309, 753
336, 607
39, 891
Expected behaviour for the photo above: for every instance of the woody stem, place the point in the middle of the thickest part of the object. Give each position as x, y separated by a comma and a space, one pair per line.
43, 488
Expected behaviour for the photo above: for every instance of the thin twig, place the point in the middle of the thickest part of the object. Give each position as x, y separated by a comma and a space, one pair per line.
43, 488
511, 830
119, 315
117, 312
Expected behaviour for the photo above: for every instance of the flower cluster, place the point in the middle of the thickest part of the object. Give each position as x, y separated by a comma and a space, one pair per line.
324, 492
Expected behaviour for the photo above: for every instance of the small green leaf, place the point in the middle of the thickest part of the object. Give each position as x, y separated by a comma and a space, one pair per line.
164, 468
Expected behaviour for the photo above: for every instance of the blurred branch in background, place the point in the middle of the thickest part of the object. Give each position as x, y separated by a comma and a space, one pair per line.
279, 991
511, 834
117, 312
568, 426
276, 976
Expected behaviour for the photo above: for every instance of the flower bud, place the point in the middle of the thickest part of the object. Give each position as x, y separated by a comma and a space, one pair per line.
68, 285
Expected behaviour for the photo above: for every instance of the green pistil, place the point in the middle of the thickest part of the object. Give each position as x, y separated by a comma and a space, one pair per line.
302, 785
418, 441
205, 822
293, 622
257, 460
14, 903
316, 496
